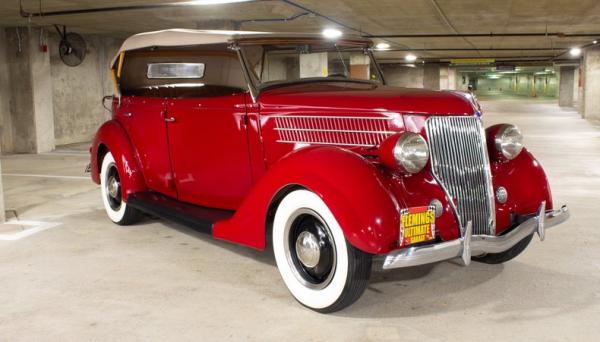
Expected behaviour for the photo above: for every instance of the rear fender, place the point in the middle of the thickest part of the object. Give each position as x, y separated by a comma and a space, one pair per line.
351, 186
111, 137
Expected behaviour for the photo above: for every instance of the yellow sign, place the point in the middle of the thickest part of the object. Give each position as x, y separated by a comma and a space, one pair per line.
417, 225
473, 61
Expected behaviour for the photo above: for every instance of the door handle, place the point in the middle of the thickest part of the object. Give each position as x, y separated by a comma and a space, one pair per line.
128, 114
170, 119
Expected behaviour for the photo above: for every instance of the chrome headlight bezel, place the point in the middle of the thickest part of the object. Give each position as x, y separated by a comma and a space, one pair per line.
411, 152
509, 141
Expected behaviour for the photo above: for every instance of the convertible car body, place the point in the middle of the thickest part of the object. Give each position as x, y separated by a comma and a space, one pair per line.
297, 141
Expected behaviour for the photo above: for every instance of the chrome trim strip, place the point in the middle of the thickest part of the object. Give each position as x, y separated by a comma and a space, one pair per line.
334, 130
329, 117
475, 245
488, 179
322, 143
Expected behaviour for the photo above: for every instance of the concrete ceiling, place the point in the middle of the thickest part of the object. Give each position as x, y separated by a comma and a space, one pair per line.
372, 17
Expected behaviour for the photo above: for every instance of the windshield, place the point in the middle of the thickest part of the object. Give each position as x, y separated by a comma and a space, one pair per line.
273, 64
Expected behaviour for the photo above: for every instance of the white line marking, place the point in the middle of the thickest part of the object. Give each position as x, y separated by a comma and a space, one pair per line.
43, 176
76, 154
36, 228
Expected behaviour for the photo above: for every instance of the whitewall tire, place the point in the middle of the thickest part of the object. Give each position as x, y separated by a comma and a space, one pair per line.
321, 270
110, 183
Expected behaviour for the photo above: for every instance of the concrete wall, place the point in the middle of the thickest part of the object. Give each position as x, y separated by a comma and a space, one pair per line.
522, 84
398, 75
431, 76
43, 102
78, 91
591, 84
6, 129
21, 55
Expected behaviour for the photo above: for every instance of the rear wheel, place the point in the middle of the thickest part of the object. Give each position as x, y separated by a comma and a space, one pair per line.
110, 183
513, 252
321, 270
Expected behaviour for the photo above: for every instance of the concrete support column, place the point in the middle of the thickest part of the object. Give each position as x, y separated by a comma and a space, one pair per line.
566, 87
444, 77
431, 76
2, 215
314, 65
591, 84
31, 91
452, 79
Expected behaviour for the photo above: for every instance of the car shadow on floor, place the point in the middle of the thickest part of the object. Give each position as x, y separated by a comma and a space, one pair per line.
265, 257
512, 291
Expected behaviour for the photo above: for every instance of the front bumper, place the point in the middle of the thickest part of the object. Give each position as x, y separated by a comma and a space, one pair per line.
469, 244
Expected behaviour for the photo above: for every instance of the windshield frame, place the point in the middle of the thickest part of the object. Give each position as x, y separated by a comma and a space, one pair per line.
256, 86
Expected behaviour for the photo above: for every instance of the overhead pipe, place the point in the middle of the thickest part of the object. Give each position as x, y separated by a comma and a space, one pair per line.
474, 49
491, 34
26, 14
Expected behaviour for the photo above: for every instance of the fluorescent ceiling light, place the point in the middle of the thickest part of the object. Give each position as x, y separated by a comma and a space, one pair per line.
331, 33
213, 2
382, 46
410, 58
575, 52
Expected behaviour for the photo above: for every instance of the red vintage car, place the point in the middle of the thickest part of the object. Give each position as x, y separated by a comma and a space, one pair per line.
296, 141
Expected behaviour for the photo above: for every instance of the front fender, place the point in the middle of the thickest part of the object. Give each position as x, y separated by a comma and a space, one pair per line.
112, 137
351, 186
526, 184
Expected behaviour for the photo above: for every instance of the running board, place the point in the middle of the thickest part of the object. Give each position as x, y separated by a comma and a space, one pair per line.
196, 217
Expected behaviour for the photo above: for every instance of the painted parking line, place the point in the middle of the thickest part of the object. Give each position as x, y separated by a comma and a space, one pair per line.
43, 176
32, 227
75, 154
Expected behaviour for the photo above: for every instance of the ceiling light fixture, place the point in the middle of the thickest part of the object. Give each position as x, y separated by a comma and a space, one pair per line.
575, 52
382, 46
410, 58
331, 33
595, 42
213, 2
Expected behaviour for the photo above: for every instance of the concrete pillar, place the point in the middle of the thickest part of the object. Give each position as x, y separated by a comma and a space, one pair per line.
360, 67
2, 213
431, 76
452, 79
566, 87
6, 138
31, 91
314, 65
591, 84
444, 77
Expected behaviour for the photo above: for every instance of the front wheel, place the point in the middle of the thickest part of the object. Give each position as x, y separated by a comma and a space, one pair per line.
321, 270
110, 182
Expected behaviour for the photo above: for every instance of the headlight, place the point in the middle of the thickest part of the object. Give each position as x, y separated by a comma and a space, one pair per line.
410, 152
509, 141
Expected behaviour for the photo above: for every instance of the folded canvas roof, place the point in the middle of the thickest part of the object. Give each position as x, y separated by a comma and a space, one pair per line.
181, 37
186, 37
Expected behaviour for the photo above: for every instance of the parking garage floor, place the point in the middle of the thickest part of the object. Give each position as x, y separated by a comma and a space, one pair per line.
73, 275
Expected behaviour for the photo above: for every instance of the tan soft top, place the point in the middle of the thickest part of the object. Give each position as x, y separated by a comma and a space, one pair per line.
187, 37
180, 37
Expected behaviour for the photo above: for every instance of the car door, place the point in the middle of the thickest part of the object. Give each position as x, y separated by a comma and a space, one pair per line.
143, 119
208, 136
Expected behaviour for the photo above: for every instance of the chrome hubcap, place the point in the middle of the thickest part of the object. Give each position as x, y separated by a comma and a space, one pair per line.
307, 249
113, 187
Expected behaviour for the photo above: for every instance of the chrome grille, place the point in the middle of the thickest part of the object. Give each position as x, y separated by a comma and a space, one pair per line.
460, 162
332, 130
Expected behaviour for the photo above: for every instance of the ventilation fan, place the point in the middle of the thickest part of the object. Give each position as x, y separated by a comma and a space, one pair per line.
72, 47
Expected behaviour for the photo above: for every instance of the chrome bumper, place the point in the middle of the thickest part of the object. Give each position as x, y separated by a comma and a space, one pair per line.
471, 244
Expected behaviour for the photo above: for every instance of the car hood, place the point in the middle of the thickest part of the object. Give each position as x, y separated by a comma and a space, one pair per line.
338, 96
